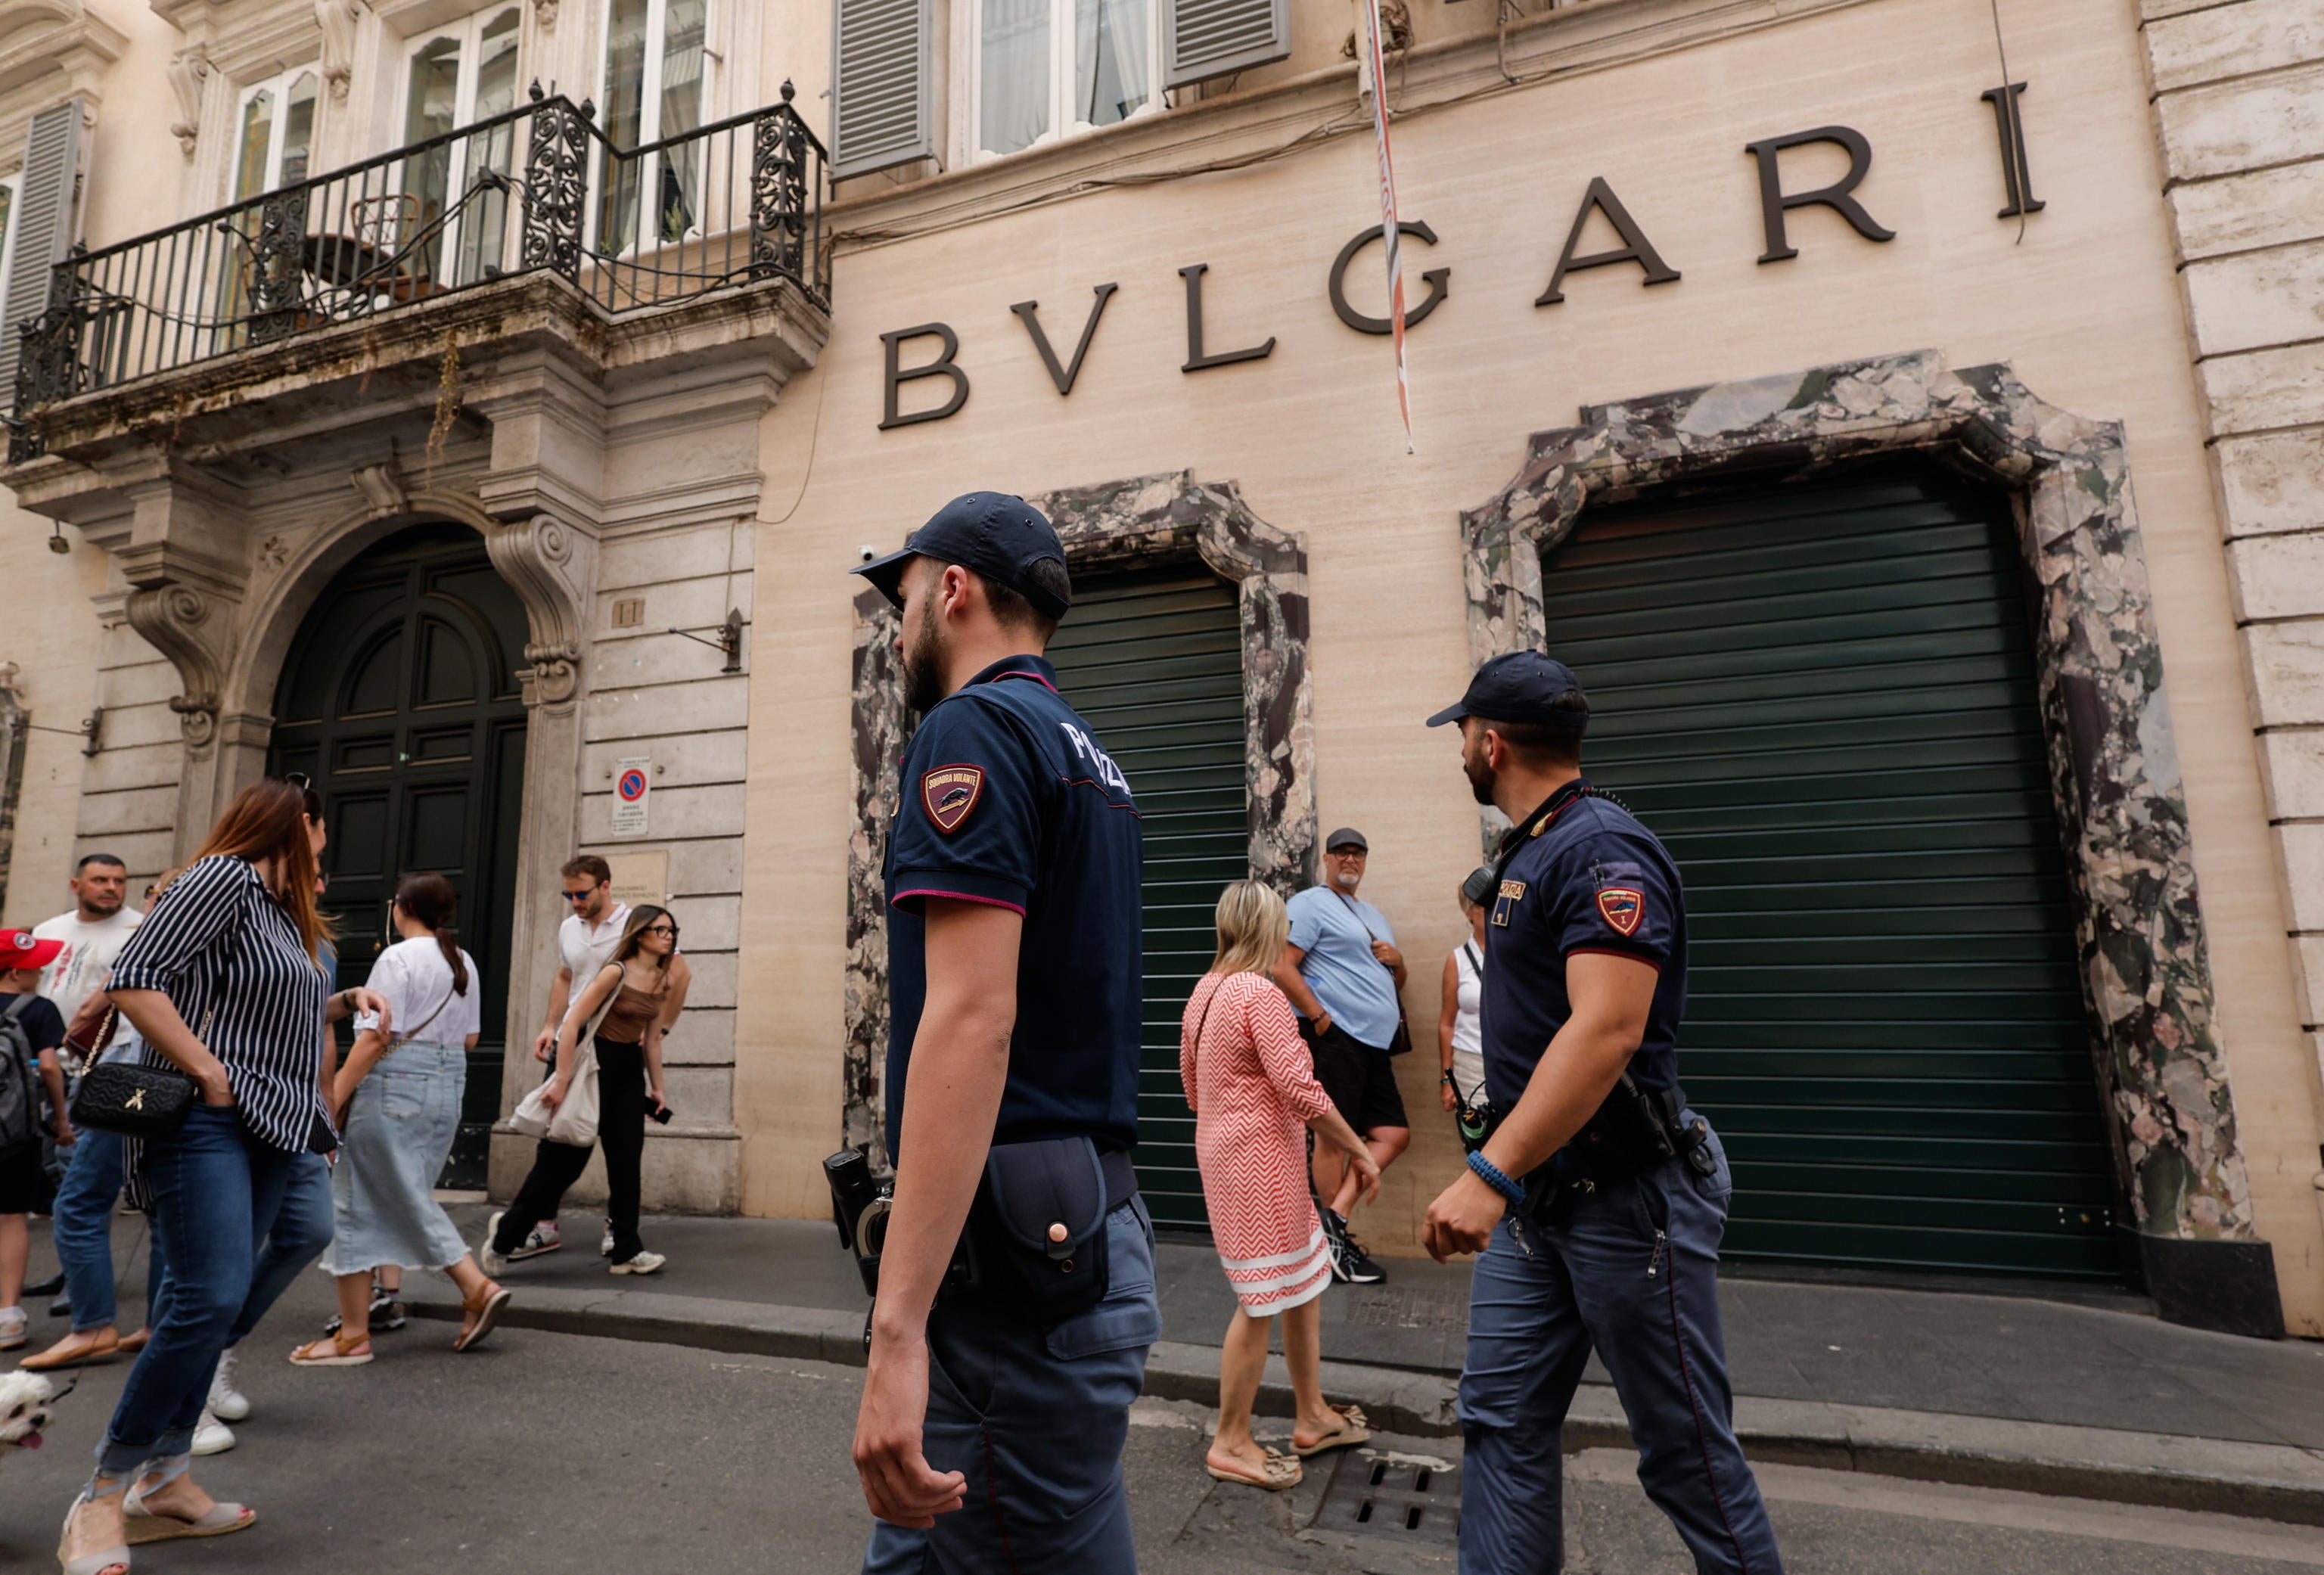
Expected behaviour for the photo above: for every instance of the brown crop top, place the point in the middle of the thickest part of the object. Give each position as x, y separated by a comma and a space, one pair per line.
633, 1011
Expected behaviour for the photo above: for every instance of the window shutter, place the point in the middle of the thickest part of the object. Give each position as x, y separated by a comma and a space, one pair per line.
47, 223
883, 112
1210, 38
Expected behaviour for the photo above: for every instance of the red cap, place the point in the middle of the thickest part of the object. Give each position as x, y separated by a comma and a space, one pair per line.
18, 949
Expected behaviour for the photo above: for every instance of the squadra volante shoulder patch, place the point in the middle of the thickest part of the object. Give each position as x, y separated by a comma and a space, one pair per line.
949, 792
1623, 907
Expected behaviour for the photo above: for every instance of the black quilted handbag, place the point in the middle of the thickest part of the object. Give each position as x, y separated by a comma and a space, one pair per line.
132, 1101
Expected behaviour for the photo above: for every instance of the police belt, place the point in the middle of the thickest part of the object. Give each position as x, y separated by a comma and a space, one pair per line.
1635, 1130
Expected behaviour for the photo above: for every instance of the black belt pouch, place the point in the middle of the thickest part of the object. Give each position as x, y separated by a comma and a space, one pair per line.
1039, 1225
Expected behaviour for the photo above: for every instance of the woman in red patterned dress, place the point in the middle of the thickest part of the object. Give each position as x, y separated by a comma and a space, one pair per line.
1252, 1086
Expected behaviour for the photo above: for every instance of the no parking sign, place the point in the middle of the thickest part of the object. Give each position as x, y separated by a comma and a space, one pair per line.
632, 784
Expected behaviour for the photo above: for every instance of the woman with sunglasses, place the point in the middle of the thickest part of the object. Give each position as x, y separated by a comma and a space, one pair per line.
642, 989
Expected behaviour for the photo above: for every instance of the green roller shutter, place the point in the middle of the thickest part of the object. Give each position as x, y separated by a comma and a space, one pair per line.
1154, 661
1822, 700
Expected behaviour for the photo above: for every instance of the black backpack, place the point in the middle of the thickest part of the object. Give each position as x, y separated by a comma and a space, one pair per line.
20, 1098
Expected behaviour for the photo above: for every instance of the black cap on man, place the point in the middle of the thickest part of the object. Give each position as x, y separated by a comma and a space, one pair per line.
1533, 701
1004, 542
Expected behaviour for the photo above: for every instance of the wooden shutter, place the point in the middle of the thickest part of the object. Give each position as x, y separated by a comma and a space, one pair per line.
47, 223
1153, 662
1210, 38
883, 100
1821, 698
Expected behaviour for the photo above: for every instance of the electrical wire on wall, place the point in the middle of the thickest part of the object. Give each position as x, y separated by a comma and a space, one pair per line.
2002, 50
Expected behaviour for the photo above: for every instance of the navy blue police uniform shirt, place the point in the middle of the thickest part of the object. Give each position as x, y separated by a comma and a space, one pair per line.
1006, 797
1592, 880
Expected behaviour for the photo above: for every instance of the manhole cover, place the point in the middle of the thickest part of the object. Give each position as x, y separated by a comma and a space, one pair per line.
1411, 1503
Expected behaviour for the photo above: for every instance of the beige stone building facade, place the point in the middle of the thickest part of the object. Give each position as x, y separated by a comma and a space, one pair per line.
1953, 623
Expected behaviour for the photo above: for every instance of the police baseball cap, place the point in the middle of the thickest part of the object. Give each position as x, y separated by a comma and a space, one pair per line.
20, 949
1347, 836
1000, 536
1518, 686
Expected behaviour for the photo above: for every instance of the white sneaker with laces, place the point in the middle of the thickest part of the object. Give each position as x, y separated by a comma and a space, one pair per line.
605, 1244
542, 1238
645, 1263
13, 1321
211, 1436
227, 1402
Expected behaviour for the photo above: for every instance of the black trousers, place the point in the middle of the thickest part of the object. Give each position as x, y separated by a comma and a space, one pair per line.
620, 1133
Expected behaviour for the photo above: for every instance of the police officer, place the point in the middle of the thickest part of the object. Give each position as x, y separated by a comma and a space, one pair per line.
990, 1436
1599, 1201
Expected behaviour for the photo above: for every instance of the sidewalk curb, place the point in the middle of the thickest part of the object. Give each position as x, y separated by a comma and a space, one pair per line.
2267, 1481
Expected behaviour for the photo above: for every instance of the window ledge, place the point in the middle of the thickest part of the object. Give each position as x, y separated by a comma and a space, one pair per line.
1250, 126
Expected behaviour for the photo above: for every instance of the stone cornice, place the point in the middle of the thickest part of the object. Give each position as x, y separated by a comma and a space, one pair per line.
1318, 107
61, 36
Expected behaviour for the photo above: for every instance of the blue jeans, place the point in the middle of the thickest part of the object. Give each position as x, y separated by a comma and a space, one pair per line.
218, 1192
83, 1231
1630, 1270
1037, 1423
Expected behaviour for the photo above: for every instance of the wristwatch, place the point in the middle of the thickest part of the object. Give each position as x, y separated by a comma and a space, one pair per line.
1448, 1075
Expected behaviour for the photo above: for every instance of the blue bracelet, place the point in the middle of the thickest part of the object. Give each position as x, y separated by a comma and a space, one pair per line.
1495, 1177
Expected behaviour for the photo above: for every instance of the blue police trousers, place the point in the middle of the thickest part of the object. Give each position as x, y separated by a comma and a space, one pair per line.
1629, 1270
1037, 1423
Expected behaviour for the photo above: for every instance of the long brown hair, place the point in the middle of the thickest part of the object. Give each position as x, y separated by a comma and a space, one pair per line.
633, 937
431, 899
268, 820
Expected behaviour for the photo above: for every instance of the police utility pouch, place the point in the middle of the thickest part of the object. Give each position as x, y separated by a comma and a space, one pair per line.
1039, 1222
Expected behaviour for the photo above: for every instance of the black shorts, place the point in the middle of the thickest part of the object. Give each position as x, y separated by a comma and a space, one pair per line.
1361, 1080
24, 1187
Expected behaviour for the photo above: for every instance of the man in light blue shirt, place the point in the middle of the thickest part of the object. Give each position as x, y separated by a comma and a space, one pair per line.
1342, 972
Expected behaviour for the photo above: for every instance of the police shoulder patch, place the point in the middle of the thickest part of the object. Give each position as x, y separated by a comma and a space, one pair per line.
1623, 907
949, 792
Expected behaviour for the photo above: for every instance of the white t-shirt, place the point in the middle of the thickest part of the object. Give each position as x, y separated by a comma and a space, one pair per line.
80, 970
584, 948
417, 980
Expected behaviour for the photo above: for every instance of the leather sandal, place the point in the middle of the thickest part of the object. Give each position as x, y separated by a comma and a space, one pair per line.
1353, 1429
1281, 1471
79, 1349
334, 1350
486, 1306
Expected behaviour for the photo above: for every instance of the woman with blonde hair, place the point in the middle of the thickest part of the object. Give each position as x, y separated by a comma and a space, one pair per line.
1252, 1086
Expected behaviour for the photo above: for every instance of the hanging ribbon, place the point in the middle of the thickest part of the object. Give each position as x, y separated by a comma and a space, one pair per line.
1390, 230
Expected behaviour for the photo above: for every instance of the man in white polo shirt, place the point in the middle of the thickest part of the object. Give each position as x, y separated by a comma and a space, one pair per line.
585, 943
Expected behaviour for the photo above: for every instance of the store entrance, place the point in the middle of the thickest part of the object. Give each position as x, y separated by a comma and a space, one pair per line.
400, 699
1154, 661
1822, 699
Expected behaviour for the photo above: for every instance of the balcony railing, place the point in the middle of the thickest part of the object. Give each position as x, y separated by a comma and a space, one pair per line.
537, 190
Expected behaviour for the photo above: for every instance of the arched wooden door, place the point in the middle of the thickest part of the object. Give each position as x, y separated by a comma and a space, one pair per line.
400, 700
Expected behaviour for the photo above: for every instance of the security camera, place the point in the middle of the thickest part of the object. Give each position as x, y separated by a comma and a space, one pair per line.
866, 554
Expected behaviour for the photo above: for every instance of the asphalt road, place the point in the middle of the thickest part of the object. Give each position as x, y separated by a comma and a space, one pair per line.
547, 1453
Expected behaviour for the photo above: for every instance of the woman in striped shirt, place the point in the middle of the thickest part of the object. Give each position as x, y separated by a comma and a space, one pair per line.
224, 983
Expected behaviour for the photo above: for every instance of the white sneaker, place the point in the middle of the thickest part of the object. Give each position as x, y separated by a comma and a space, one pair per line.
542, 1238
645, 1263
13, 1321
491, 1262
211, 1436
227, 1401
606, 1247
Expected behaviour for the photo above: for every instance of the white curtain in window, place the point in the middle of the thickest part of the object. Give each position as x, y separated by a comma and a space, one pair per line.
1112, 76
1013, 91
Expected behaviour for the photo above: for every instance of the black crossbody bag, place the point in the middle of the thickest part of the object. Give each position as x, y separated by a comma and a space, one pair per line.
130, 1101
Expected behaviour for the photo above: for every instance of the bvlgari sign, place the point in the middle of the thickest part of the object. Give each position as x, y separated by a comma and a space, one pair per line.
1598, 197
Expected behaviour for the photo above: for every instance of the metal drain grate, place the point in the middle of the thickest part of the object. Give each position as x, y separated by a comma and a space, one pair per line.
1370, 1497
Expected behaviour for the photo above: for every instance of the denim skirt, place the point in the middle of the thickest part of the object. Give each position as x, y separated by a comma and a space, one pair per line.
399, 1133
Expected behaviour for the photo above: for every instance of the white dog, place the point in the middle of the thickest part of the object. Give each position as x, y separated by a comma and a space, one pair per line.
23, 1410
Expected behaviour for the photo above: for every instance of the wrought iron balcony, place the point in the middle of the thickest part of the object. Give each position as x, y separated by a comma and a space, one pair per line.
727, 205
